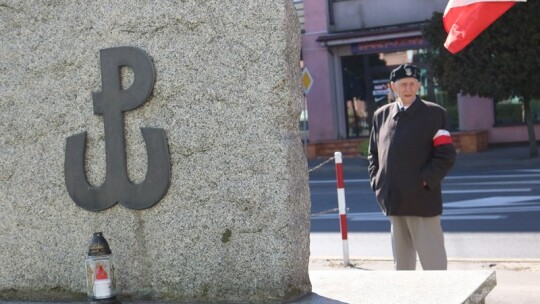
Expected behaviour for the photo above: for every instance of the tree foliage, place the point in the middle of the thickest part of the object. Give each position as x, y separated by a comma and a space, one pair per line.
502, 62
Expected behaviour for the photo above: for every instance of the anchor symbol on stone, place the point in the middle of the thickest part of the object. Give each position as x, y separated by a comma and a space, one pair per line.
111, 102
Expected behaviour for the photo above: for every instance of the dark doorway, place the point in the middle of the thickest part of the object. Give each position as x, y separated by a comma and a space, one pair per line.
355, 95
365, 89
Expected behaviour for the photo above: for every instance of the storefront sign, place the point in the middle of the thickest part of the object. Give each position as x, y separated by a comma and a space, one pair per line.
390, 45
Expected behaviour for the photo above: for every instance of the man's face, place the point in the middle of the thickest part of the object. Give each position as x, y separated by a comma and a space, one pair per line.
406, 89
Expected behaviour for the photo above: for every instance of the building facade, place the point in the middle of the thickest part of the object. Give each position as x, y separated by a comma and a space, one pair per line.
350, 47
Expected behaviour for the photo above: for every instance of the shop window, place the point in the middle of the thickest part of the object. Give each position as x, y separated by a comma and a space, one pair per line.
303, 123
357, 117
510, 112
354, 89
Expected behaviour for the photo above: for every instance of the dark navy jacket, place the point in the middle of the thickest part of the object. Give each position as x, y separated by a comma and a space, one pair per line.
407, 148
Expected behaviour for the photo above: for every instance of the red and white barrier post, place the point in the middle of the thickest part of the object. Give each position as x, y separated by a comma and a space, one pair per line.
342, 207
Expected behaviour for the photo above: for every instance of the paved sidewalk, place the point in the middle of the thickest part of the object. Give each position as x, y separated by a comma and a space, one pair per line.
518, 281
497, 158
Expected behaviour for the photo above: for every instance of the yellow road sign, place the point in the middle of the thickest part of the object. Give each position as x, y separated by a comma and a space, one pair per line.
307, 80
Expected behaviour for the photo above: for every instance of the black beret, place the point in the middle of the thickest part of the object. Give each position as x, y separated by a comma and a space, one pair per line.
405, 70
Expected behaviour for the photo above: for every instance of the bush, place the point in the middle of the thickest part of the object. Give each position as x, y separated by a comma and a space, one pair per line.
508, 113
363, 148
453, 119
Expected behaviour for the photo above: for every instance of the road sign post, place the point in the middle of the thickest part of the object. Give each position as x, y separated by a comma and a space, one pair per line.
307, 82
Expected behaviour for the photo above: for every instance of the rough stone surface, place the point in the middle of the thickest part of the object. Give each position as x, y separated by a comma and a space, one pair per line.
234, 225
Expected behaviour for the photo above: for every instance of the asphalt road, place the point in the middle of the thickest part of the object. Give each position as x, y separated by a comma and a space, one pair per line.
487, 201
487, 214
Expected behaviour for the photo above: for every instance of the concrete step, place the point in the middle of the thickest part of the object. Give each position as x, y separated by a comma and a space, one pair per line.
383, 287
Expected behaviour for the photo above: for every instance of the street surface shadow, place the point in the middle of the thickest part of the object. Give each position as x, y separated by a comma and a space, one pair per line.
314, 298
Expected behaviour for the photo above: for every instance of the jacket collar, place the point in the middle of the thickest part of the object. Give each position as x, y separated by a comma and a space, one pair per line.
411, 110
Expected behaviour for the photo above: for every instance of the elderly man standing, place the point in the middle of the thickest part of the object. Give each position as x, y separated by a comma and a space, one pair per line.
410, 153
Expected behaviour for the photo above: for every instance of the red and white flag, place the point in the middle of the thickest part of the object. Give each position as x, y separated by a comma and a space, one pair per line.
464, 20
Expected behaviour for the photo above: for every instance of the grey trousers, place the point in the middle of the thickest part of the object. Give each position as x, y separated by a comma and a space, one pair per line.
422, 235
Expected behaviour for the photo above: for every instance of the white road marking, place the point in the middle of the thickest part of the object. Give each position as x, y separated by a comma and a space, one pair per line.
378, 216
460, 177
486, 190
490, 201
494, 176
333, 181
476, 209
529, 182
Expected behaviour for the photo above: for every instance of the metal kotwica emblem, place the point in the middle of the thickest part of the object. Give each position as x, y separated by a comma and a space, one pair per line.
111, 102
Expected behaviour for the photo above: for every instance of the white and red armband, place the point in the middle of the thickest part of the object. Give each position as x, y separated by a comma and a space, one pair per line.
442, 137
